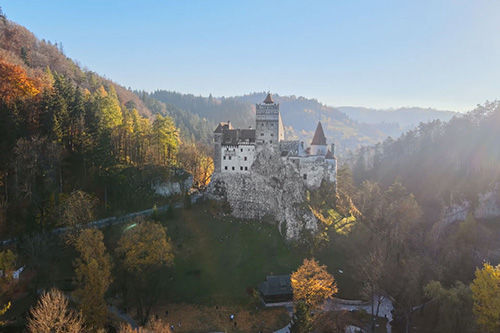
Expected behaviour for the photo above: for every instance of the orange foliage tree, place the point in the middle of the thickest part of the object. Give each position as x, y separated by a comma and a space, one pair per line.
312, 284
15, 83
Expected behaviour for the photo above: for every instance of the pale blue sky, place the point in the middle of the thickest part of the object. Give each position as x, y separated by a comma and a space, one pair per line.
443, 54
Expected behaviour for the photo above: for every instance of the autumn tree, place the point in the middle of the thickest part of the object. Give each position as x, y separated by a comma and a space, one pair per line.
196, 159
144, 249
486, 295
110, 115
454, 306
77, 209
3, 310
15, 83
165, 139
93, 276
311, 285
7, 266
52, 315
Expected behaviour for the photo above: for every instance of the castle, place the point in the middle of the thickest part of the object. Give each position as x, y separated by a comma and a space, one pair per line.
236, 149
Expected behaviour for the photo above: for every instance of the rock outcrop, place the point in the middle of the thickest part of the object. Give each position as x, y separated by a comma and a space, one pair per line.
179, 184
486, 206
273, 188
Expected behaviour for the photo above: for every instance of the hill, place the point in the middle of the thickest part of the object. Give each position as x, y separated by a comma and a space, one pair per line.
440, 162
20, 46
300, 116
64, 130
406, 118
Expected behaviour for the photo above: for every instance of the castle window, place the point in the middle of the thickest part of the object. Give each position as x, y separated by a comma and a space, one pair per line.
272, 134
233, 168
229, 157
304, 176
224, 156
225, 168
241, 168
261, 134
241, 149
246, 168
245, 158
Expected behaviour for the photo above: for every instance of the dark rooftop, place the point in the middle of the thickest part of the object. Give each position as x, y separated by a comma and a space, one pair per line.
235, 136
319, 138
223, 126
276, 285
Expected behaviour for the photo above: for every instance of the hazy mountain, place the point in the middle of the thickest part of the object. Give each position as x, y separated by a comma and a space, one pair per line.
405, 117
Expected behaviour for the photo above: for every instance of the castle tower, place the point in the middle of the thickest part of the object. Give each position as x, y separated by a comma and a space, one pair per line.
268, 125
318, 143
218, 142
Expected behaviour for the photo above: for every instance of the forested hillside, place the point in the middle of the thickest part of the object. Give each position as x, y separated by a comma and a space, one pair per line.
399, 245
64, 130
192, 126
439, 161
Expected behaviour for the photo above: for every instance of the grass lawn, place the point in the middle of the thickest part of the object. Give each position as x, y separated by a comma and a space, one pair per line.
219, 259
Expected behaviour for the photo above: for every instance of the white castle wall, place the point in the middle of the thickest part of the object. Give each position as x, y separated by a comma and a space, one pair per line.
237, 158
318, 150
315, 169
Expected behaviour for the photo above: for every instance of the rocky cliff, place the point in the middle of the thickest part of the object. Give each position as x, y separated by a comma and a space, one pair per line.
273, 188
486, 206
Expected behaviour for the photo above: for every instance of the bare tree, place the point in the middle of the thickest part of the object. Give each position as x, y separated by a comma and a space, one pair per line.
52, 315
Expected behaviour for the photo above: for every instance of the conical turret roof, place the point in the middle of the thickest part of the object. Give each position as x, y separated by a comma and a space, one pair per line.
269, 99
319, 138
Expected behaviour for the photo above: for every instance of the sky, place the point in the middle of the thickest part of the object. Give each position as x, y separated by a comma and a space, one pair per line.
443, 54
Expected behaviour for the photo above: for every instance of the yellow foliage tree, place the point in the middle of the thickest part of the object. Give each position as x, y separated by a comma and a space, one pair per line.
143, 249
93, 275
312, 284
486, 295
197, 160
145, 246
3, 310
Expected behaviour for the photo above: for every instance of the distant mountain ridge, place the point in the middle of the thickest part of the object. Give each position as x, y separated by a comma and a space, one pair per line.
347, 127
406, 117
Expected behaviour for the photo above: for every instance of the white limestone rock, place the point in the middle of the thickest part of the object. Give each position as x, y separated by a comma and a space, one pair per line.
273, 188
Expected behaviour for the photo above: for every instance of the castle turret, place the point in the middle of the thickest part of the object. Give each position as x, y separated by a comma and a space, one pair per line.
268, 125
318, 143
217, 144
